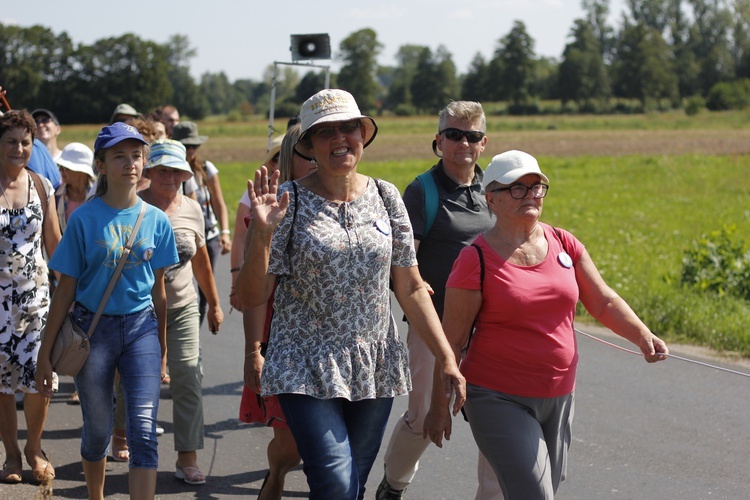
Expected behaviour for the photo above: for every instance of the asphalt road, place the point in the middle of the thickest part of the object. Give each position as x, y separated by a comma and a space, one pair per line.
664, 431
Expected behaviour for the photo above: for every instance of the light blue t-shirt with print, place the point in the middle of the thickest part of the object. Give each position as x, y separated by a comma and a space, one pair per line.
92, 245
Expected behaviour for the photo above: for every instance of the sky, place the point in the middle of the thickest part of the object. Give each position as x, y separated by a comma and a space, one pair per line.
242, 38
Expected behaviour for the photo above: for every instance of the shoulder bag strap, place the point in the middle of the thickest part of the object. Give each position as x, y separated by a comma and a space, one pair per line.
124, 257
44, 200
481, 284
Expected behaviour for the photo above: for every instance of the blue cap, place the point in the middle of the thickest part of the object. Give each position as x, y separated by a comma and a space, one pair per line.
115, 133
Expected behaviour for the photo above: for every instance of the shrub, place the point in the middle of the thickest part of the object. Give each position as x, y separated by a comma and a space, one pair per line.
718, 263
694, 105
729, 95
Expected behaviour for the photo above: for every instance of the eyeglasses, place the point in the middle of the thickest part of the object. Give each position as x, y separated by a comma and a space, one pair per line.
519, 191
455, 134
329, 131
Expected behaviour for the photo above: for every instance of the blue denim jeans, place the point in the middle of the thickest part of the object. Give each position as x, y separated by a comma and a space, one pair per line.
338, 441
130, 344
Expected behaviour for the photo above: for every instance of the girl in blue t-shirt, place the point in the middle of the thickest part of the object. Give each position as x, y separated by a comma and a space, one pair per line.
131, 334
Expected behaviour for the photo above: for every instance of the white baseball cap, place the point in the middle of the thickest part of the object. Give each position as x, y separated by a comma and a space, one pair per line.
508, 167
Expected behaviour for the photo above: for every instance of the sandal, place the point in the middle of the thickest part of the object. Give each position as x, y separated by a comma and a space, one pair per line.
11, 474
191, 475
120, 452
43, 473
73, 399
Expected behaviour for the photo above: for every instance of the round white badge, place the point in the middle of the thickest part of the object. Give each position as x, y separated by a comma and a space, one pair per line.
147, 254
383, 226
565, 259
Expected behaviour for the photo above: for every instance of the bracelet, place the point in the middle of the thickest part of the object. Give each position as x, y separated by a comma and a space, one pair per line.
254, 352
225, 231
234, 270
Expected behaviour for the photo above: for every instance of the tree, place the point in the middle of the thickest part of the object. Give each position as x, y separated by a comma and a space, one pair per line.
434, 83
32, 62
644, 68
222, 96
710, 34
583, 76
512, 68
359, 52
476, 80
116, 70
597, 12
399, 92
187, 96
311, 83
741, 38
686, 64
650, 13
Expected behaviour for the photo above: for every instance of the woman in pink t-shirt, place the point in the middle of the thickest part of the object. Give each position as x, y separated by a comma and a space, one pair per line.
517, 289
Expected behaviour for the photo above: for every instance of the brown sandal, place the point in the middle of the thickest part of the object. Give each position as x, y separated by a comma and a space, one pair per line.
120, 452
42, 474
11, 474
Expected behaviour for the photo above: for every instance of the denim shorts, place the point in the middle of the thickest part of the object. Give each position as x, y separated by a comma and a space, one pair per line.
129, 344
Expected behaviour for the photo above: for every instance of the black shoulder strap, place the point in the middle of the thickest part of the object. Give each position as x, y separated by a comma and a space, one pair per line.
382, 196
481, 265
481, 285
291, 229
559, 237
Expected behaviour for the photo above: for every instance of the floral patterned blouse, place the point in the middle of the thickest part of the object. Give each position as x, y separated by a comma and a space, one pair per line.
333, 334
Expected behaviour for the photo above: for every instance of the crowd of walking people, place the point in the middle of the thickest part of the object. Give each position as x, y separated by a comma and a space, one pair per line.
487, 289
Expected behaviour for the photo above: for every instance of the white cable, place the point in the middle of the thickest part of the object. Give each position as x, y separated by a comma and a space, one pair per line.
667, 355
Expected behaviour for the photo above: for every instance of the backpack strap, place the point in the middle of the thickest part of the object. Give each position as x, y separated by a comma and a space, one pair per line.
431, 200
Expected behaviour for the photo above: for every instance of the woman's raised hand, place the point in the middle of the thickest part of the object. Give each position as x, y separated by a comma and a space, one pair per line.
267, 210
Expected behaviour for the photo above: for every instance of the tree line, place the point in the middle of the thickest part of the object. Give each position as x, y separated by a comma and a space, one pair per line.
661, 54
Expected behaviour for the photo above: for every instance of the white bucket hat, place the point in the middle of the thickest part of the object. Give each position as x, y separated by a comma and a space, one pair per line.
78, 158
508, 167
329, 106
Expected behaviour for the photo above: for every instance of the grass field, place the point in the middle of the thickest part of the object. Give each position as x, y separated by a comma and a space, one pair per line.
636, 190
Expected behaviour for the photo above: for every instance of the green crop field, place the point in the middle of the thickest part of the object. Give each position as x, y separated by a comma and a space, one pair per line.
638, 191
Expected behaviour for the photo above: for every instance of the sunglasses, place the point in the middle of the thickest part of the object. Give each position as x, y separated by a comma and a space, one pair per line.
42, 120
456, 134
329, 131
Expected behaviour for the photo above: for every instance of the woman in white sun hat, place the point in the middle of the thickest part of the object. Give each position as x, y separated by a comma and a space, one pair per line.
331, 241
78, 178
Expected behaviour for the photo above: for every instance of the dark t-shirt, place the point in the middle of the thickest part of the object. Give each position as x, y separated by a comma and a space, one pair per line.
462, 215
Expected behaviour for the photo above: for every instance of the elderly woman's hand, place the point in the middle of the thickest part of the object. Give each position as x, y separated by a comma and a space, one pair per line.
267, 210
437, 423
653, 348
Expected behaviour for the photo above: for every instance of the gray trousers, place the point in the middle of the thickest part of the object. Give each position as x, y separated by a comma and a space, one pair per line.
525, 440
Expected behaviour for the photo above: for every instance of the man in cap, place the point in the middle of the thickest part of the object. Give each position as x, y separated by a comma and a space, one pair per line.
47, 130
123, 112
447, 209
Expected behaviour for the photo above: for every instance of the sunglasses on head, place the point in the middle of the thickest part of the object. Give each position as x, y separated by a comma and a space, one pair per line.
455, 134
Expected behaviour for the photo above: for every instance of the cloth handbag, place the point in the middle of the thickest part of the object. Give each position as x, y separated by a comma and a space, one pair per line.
71, 347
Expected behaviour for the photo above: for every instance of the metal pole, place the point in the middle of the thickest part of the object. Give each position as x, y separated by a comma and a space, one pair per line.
271, 110
273, 91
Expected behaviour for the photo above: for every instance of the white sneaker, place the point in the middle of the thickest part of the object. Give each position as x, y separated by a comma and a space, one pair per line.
159, 430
